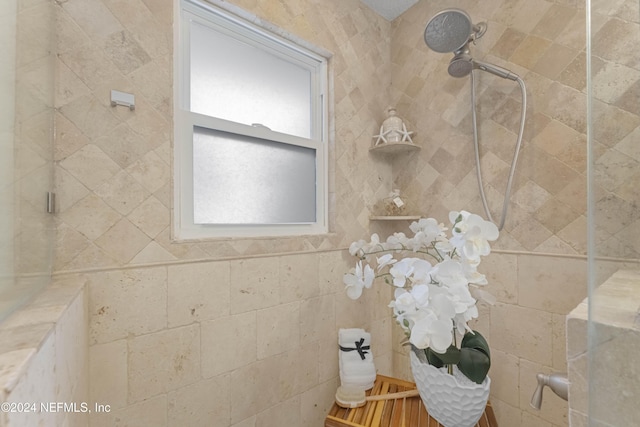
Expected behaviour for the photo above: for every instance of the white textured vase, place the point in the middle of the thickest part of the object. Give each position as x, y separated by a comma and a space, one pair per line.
450, 402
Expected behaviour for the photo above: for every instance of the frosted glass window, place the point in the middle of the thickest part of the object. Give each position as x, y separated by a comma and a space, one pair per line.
236, 81
243, 180
251, 129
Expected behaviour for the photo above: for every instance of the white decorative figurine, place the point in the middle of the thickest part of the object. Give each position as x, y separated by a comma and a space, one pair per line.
393, 130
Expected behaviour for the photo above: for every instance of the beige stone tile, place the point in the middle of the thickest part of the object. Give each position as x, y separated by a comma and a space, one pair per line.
204, 403
150, 412
553, 285
566, 105
72, 350
249, 422
152, 253
93, 17
286, 413
91, 166
559, 362
123, 145
150, 216
278, 329
316, 403
68, 138
555, 60
69, 244
137, 18
90, 64
331, 268
613, 169
529, 14
504, 374
530, 51
252, 388
508, 43
298, 277
122, 193
197, 292
163, 361
150, 171
505, 413
500, 270
108, 373
127, 302
554, 21
91, 217
530, 420
532, 342
125, 51
68, 190
122, 241
613, 80
154, 82
69, 86
228, 343
37, 384
328, 358
613, 41
254, 284
93, 256
317, 319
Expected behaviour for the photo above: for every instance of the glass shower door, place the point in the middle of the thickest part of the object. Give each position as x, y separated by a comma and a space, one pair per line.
612, 381
26, 149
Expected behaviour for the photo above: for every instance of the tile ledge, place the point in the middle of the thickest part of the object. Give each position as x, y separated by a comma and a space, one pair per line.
23, 335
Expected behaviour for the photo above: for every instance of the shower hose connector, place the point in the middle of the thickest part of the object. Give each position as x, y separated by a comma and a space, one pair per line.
557, 382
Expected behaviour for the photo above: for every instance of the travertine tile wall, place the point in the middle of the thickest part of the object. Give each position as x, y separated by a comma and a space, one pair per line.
540, 275
237, 332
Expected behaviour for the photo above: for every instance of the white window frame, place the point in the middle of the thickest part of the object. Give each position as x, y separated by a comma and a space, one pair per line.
185, 120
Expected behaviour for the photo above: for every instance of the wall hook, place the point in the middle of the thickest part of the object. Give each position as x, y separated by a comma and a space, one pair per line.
123, 98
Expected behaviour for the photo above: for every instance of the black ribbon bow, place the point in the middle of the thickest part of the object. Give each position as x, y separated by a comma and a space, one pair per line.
359, 347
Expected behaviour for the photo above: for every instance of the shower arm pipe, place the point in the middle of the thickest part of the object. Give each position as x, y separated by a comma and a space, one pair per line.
507, 195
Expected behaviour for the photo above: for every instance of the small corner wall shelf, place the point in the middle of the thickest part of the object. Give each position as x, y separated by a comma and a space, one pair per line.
394, 218
394, 147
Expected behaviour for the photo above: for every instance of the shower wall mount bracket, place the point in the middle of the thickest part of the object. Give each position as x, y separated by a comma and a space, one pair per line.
124, 99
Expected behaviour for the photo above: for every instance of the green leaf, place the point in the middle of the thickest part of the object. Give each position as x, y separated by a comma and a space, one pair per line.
475, 357
450, 357
477, 341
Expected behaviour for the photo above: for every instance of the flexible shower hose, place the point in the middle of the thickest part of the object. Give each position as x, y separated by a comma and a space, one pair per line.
507, 194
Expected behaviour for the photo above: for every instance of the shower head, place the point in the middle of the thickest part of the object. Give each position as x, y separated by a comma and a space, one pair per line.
450, 30
461, 65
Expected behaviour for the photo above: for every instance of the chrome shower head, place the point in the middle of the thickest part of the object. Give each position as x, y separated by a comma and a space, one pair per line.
450, 30
461, 65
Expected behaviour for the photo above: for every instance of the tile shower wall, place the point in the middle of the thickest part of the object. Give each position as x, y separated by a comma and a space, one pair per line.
237, 332
540, 274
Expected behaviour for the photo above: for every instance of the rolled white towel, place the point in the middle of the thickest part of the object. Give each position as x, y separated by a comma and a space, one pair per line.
355, 358
355, 345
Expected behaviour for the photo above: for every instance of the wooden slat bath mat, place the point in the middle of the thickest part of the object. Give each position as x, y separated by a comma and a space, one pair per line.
408, 412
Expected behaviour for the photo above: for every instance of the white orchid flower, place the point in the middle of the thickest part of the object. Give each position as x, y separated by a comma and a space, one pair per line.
429, 331
358, 279
421, 271
471, 235
385, 261
355, 247
401, 270
450, 273
429, 227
